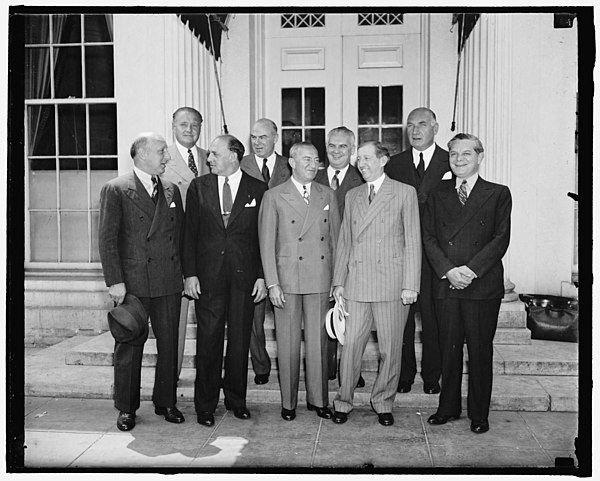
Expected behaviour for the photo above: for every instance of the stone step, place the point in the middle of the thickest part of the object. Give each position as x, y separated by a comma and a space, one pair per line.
46, 374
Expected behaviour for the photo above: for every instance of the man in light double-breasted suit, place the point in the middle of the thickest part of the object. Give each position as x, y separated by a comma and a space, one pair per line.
268, 166
376, 278
298, 228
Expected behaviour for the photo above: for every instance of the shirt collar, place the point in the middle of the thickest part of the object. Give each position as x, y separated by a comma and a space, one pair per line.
184, 152
233, 178
300, 186
271, 158
143, 176
470, 182
427, 155
377, 183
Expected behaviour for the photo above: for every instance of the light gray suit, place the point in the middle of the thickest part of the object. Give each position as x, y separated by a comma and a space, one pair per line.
378, 255
178, 172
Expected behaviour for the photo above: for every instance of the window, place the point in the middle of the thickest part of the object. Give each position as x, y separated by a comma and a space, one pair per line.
303, 118
71, 135
374, 19
302, 20
380, 116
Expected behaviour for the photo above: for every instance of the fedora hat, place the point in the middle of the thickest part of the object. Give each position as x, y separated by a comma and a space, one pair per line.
128, 322
335, 323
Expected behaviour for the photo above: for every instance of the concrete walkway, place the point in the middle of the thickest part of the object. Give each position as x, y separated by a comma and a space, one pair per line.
69, 433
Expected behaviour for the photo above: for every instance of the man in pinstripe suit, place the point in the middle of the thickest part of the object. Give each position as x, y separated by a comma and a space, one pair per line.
376, 277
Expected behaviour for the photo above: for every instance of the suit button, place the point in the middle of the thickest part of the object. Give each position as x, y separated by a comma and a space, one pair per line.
170, 238
300, 239
222, 253
324, 220
450, 243
322, 238
141, 217
149, 259
300, 258
172, 257
293, 221
322, 257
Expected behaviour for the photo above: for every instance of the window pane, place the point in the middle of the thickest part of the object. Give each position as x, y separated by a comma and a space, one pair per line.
288, 138
392, 139
37, 29
40, 123
98, 179
96, 28
66, 28
95, 226
73, 184
37, 73
368, 105
391, 104
291, 107
104, 163
366, 134
67, 72
74, 236
42, 184
99, 71
44, 237
103, 129
314, 106
317, 138
71, 129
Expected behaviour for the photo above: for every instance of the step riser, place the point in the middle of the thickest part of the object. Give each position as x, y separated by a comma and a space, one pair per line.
63, 299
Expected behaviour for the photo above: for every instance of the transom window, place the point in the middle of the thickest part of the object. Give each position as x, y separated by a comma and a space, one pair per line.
70, 128
380, 116
365, 19
302, 20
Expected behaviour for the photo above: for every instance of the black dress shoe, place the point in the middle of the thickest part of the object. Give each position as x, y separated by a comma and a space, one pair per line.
441, 419
323, 412
361, 382
288, 414
261, 379
386, 419
404, 386
480, 426
331, 377
172, 415
241, 413
126, 421
431, 388
206, 419
339, 417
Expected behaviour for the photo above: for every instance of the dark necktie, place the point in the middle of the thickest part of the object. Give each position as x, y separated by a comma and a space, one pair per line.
265, 172
421, 166
462, 192
371, 193
191, 163
154, 189
305, 195
335, 182
227, 201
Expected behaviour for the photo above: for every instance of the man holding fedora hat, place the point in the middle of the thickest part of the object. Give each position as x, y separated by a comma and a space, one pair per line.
141, 218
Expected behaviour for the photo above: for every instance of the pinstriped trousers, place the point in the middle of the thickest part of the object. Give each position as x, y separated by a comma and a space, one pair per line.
390, 319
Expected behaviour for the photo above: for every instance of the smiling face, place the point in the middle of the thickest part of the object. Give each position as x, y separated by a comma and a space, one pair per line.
304, 163
464, 160
340, 148
421, 129
153, 156
222, 161
369, 165
263, 138
186, 128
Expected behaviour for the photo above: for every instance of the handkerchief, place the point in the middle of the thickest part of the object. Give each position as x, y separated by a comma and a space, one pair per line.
326, 207
447, 176
172, 205
251, 204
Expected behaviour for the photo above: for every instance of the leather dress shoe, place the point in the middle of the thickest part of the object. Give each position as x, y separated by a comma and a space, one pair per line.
386, 419
241, 412
126, 421
339, 417
172, 415
361, 382
331, 377
431, 388
323, 412
404, 387
288, 414
480, 426
206, 419
441, 419
261, 379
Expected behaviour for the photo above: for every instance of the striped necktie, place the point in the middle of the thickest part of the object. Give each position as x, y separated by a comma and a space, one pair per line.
335, 181
462, 192
371, 193
154, 189
191, 163
305, 195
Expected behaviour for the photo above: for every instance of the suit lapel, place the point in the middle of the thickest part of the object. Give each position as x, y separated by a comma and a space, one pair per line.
161, 205
379, 202
242, 197
317, 204
179, 165
291, 195
250, 166
479, 195
280, 172
212, 197
139, 195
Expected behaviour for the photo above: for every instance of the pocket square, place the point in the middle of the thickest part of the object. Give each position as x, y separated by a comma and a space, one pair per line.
326, 207
447, 176
251, 204
172, 205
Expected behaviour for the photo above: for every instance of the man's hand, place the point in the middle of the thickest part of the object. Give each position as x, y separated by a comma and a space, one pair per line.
259, 291
460, 277
117, 293
276, 296
338, 295
408, 296
191, 287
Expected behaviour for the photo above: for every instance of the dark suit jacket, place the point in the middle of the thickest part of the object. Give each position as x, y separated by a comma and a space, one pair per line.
476, 235
212, 251
281, 172
402, 168
351, 179
139, 242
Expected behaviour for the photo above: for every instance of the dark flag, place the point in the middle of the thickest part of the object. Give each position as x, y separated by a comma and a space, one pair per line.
208, 28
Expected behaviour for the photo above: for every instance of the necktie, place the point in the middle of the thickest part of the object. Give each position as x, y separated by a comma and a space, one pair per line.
371, 193
265, 172
462, 192
154, 189
305, 195
335, 182
227, 201
421, 166
191, 163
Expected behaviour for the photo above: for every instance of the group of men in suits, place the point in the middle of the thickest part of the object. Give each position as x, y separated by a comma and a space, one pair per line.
385, 239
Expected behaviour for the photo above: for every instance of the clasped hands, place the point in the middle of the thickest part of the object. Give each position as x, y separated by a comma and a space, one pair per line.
192, 289
460, 277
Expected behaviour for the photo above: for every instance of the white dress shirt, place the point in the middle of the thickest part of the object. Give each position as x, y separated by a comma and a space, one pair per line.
184, 154
470, 183
376, 183
427, 155
270, 162
146, 180
300, 187
234, 185
341, 175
